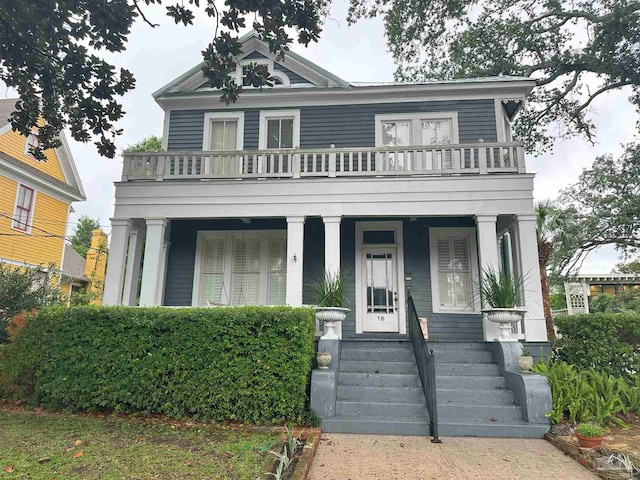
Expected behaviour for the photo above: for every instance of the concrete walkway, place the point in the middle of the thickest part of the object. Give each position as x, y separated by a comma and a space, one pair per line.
364, 457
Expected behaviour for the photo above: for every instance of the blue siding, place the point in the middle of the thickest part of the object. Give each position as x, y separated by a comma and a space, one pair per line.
342, 125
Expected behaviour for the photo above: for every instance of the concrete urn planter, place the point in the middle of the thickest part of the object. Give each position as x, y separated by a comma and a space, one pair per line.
505, 318
323, 359
525, 362
328, 316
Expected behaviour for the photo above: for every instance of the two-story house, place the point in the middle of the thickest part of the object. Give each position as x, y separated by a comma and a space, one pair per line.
409, 189
35, 198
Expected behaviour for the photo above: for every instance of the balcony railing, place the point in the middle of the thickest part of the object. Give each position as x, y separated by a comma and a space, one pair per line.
470, 158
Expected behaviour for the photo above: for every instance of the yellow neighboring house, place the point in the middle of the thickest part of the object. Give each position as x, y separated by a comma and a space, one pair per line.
86, 276
35, 198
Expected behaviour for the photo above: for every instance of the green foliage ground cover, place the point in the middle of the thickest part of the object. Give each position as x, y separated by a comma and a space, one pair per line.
43, 446
249, 364
586, 395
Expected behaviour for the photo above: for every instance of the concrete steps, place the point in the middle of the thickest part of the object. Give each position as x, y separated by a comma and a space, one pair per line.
472, 398
379, 391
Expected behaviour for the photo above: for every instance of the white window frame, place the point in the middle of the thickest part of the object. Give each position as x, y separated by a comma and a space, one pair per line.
229, 236
415, 119
286, 82
266, 115
470, 232
31, 210
26, 144
283, 77
220, 116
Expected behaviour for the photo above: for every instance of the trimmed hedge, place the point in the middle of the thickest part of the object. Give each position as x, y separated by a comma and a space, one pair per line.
249, 364
608, 342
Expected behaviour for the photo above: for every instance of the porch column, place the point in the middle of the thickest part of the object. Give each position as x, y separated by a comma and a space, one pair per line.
113, 281
488, 256
132, 273
332, 245
295, 245
534, 325
152, 263
332, 254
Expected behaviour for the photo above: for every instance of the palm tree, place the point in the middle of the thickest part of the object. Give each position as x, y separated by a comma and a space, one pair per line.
551, 226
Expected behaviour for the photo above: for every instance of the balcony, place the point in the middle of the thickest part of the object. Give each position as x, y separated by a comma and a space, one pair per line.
435, 160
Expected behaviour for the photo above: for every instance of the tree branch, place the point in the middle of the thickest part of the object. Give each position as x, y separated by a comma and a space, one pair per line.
611, 86
153, 25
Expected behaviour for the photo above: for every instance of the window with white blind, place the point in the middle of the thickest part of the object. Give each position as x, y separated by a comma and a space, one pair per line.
454, 269
23, 212
224, 131
33, 142
240, 268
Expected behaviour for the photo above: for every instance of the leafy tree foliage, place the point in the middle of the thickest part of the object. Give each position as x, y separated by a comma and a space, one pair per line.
575, 50
606, 202
25, 289
52, 53
629, 267
149, 144
81, 239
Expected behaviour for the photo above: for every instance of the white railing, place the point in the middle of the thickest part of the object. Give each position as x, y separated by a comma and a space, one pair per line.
476, 158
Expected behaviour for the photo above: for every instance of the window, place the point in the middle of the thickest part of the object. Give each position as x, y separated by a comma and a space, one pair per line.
23, 213
33, 142
398, 130
240, 268
454, 270
279, 129
224, 131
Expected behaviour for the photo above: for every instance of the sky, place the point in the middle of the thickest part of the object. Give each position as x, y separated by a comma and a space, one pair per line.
355, 53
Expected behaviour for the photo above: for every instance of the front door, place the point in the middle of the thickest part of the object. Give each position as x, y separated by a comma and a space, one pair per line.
379, 283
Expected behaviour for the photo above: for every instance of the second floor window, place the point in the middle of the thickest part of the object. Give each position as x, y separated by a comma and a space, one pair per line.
33, 142
279, 133
224, 135
24, 209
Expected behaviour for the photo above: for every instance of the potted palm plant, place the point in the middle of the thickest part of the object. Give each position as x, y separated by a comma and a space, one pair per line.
501, 295
330, 300
525, 360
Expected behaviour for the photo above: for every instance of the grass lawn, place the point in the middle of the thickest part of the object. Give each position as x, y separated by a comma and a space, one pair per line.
116, 448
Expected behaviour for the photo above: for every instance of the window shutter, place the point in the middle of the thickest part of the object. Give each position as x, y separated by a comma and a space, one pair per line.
454, 271
246, 272
212, 277
277, 271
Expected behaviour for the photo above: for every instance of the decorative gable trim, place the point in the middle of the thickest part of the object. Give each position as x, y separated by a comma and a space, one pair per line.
193, 78
68, 165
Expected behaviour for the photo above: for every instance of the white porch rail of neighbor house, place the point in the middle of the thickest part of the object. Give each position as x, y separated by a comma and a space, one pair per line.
471, 158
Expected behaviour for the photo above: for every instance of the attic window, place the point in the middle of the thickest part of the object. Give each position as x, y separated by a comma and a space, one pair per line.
280, 79
33, 142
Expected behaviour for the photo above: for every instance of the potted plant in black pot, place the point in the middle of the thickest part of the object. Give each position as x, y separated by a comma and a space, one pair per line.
330, 300
501, 295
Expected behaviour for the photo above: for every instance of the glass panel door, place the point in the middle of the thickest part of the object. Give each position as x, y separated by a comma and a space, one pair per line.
396, 134
437, 132
380, 285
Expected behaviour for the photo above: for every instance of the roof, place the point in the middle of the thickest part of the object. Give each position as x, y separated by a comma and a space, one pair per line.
609, 278
73, 264
73, 183
497, 78
7, 106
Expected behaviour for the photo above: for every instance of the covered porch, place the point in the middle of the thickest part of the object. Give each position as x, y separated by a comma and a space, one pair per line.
272, 260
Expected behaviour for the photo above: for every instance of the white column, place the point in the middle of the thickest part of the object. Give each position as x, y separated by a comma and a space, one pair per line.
153, 251
331, 245
116, 263
130, 292
295, 246
488, 256
534, 324
332, 254
163, 270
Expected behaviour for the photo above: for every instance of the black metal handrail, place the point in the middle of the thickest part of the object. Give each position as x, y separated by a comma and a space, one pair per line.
426, 362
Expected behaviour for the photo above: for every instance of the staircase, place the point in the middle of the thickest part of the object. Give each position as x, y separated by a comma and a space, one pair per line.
379, 391
472, 398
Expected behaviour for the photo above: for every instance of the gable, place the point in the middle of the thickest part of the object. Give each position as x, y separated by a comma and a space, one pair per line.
59, 167
299, 71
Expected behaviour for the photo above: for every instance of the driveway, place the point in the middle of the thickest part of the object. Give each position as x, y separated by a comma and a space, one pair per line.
387, 457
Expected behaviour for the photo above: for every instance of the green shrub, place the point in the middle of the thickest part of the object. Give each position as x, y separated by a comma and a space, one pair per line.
589, 430
608, 342
249, 364
587, 395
